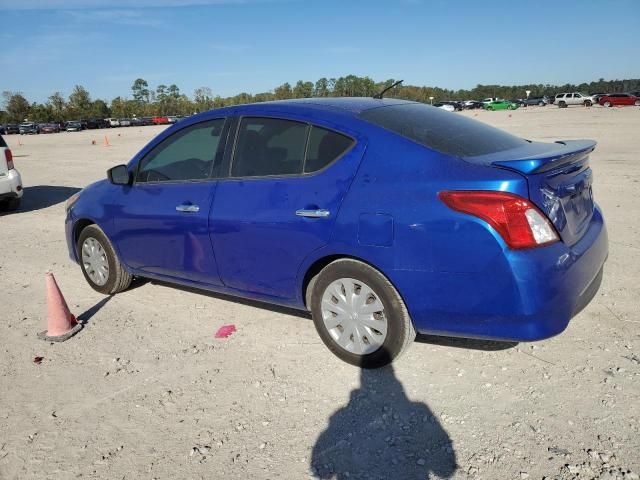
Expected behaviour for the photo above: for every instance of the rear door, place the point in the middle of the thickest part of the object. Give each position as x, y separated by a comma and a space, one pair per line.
287, 181
162, 220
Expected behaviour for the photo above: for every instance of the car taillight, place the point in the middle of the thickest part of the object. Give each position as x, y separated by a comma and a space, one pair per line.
520, 223
9, 158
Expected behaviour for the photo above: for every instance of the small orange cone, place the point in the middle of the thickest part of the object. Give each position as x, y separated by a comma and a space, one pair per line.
106, 142
61, 323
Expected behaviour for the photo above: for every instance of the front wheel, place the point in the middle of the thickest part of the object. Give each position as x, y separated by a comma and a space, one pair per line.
562, 105
607, 104
359, 314
100, 265
587, 103
637, 103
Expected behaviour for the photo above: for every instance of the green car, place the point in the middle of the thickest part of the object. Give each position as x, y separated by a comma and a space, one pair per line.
501, 105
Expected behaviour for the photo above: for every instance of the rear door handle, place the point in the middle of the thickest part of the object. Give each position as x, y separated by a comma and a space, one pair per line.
318, 213
188, 208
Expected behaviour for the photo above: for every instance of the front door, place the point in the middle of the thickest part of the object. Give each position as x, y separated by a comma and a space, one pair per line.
288, 179
162, 226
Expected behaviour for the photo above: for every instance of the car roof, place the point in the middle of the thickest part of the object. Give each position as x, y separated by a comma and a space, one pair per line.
350, 106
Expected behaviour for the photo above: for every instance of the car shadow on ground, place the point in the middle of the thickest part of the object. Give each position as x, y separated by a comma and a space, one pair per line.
380, 433
42, 196
456, 342
466, 343
242, 301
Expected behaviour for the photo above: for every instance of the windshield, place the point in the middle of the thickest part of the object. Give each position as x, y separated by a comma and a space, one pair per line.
451, 134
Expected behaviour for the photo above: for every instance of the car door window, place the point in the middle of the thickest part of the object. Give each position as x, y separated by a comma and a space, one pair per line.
324, 147
193, 153
269, 146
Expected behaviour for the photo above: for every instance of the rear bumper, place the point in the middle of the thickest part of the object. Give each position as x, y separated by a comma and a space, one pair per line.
11, 185
524, 296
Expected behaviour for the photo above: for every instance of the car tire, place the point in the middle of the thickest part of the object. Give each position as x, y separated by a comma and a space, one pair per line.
376, 346
12, 204
587, 103
607, 104
637, 103
101, 257
541, 104
562, 105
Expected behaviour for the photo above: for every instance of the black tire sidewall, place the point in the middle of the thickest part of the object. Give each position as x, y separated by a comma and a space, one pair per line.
394, 311
95, 232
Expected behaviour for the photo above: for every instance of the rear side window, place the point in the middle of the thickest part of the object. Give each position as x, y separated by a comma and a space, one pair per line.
269, 146
445, 132
192, 153
2, 142
324, 147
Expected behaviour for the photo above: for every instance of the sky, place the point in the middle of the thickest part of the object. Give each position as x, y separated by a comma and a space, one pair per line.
234, 46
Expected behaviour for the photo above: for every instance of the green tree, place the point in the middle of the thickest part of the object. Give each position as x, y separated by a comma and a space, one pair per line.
140, 89
283, 92
16, 106
303, 89
203, 98
58, 105
80, 101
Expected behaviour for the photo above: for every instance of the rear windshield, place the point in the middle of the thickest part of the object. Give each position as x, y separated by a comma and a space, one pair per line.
446, 132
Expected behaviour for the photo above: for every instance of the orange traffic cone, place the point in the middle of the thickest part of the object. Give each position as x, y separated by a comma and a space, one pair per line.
106, 142
61, 324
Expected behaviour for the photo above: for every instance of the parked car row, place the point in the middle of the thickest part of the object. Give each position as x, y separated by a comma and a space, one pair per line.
562, 100
27, 128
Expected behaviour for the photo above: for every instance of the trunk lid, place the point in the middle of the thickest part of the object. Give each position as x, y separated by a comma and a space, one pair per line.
559, 179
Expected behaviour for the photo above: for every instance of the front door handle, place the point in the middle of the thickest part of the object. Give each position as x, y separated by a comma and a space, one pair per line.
188, 208
318, 213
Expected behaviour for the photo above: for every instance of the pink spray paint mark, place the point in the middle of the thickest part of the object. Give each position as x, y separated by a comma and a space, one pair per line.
225, 331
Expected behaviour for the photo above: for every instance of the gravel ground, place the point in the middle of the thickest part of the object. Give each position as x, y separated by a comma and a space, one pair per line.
145, 391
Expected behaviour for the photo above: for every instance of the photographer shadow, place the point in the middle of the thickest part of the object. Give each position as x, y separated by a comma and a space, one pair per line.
380, 433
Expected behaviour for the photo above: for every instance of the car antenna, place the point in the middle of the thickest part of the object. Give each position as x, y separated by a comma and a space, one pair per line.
380, 95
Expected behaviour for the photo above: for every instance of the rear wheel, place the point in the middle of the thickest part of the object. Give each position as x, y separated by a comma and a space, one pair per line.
100, 265
587, 103
541, 104
637, 103
607, 103
12, 204
562, 105
359, 315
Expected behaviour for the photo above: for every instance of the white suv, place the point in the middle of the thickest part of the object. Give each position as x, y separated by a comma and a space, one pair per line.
563, 100
10, 181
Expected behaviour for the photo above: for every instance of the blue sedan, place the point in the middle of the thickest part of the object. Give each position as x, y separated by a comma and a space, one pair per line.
382, 217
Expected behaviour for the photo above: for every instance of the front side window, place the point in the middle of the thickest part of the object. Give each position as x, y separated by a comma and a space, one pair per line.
193, 153
269, 146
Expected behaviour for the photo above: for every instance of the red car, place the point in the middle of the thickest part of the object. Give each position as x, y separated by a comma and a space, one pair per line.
160, 120
49, 128
615, 99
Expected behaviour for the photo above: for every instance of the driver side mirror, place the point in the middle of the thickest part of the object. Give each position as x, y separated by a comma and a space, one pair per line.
119, 175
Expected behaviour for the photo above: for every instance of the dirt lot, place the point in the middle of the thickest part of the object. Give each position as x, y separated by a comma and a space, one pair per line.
145, 391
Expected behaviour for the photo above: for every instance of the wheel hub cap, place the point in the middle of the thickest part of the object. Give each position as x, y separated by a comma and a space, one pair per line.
94, 261
354, 316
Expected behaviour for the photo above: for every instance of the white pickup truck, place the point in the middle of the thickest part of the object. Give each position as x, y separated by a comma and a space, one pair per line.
563, 100
10, 181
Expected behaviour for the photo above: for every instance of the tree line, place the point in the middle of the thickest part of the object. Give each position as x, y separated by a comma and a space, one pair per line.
169, 100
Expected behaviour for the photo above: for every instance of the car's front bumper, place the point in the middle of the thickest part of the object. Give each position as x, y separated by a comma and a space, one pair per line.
525, 295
